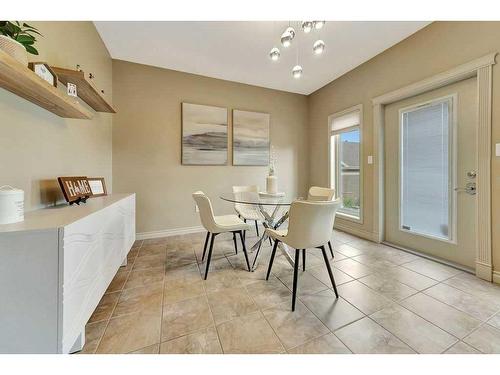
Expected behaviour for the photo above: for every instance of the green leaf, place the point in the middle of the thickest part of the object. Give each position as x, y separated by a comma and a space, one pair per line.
31, 50
26, 39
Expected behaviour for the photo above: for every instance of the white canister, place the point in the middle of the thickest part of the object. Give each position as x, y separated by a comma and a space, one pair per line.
11, 205
271, 185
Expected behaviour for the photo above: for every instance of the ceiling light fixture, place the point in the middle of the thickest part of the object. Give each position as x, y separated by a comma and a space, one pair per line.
297, 71
318, 24
286, 39
307, 26
274, 54
318, 47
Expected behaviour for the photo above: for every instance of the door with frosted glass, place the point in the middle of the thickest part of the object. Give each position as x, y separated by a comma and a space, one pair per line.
430, 173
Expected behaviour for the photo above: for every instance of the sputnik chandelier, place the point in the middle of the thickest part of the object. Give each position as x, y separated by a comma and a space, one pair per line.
289, 35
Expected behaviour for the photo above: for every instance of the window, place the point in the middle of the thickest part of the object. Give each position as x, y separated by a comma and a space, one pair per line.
426, 169
345, 157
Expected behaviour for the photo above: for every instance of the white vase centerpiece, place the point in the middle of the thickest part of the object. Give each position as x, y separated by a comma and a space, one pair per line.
272, 179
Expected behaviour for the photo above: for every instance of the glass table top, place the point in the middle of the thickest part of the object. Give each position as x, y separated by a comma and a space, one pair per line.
263, 199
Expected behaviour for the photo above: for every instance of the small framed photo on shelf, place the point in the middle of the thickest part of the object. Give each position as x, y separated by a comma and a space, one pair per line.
44, 71
75, 189
71, 87
97, 186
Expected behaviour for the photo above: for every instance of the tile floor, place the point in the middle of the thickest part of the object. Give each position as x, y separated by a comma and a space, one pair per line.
391, 302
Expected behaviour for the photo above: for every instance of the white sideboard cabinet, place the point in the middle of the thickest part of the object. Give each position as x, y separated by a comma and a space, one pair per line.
54, 268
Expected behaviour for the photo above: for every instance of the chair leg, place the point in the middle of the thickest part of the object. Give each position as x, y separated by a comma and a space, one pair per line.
273, 253
331, 250
257, 228
209, 254
245, 232
295, 277
205, 247
330, 273
245, 250
235, 244
303, 259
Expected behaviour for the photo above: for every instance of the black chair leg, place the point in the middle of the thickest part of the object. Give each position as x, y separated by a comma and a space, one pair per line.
205, 247
209, 254
303, 259
329, 268
273, 253
245, 250
235, 244
295, 277
257, 228
245, 232
331, 250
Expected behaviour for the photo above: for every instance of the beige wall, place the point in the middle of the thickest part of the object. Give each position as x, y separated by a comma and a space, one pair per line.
436, 48
37, 146
147, 142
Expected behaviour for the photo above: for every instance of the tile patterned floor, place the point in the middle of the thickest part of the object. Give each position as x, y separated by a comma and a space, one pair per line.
390, 302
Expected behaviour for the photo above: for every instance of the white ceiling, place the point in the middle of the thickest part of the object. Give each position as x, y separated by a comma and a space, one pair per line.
238, 51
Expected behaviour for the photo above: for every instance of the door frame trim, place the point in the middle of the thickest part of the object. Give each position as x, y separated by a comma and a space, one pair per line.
482, 69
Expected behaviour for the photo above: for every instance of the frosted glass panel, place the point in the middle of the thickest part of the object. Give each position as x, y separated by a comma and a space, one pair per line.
425, 170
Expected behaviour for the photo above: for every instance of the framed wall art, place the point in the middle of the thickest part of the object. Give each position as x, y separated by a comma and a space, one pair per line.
250, 138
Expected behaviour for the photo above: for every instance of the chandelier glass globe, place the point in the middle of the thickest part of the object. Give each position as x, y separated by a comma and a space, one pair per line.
318, 47
307, 26
286, 39
274, 54
297, 71
318, 24
291, 31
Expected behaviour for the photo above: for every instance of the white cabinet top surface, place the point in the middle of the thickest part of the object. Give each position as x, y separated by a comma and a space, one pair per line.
61, 215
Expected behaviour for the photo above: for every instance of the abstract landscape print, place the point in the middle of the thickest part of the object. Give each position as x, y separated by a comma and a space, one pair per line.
204, 135
250, 138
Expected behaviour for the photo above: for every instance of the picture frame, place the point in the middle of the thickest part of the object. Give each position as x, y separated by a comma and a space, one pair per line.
97, 186
251, 138
75, 189
71, 89
44, 71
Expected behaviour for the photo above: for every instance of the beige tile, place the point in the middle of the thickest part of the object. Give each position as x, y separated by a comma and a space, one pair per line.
185, 317
221, 264
321, 273
267, 293
474, 285
400, 257
135, 300
432, 269
353, 268
410, 278
137, 244
131, 332
372, 261
444, 316
362, 297
367, 337
205, 341
230, 303
294, 327
327, 344
152, 250
105, 307
247, 278
250, 334
418, 333
149, 261
348, 251
178, 277
485, 339
221, 280
462, 348
93, 334
152, 349
118, 281
144, 277
306, 283
387, 286
334, 313
177, 293
495, 321
157, 241
479, 308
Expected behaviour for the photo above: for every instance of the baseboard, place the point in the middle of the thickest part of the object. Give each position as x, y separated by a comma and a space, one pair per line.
356, 231
484, 271
496, 277
169, 232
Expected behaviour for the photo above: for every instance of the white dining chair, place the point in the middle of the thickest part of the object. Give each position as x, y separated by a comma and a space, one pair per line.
317, 193
215, 225
248, 211
310, 226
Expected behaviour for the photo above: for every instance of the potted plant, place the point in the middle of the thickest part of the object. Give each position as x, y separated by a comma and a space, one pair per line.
17, 39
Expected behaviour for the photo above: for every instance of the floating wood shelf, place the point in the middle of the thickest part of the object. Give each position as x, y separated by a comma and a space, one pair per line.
21, 81
86, 91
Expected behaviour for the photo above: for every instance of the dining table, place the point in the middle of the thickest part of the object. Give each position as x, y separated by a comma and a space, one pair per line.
274, 209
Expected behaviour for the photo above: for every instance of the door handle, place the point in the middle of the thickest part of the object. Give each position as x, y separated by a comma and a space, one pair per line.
470, 188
